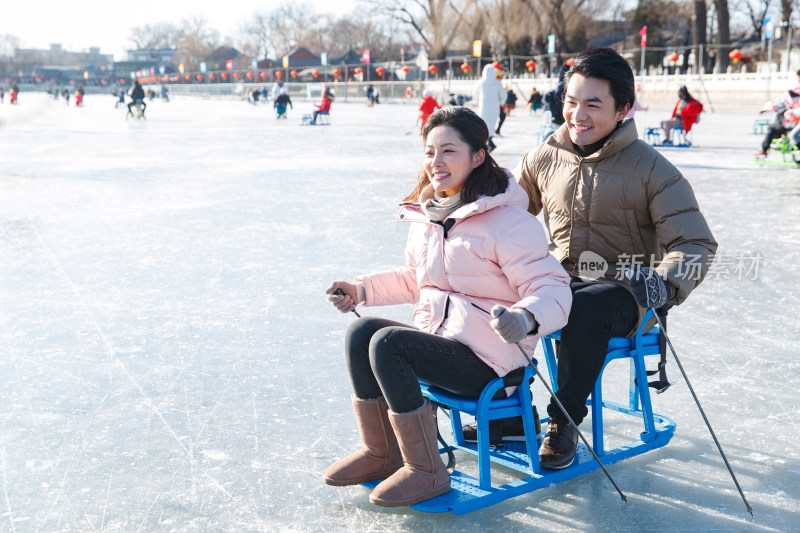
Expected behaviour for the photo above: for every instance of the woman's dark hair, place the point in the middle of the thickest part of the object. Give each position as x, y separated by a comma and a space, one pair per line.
487, 179
606, 64
685, 91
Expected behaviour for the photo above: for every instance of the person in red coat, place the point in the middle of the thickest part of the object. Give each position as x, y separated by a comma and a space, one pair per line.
427, 106
685, 114
323, 107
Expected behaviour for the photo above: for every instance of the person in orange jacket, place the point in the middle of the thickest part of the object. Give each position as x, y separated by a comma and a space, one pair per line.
685, 114
427, 106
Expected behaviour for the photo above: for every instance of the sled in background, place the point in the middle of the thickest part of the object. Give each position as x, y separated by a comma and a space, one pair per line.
789, 154
323, 119
469, 493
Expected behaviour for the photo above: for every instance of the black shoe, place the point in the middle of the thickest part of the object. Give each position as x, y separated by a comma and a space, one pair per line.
504, 429
492, 146
559, 446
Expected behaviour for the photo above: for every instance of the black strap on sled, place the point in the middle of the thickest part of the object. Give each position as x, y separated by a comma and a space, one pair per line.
662, 383
451, 458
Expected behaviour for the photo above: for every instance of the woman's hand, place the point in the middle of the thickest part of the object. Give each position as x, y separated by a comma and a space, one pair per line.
512, 325
343, 296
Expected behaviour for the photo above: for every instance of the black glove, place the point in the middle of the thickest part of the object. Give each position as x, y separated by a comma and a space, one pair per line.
648, 288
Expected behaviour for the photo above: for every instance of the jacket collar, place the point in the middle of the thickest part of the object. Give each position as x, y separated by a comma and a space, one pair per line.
621, 138
514, 195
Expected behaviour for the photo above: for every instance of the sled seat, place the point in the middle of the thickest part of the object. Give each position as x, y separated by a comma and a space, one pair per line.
323, 119
468, 493
635, 349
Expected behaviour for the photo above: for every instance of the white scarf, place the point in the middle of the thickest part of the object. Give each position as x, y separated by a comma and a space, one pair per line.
436, 208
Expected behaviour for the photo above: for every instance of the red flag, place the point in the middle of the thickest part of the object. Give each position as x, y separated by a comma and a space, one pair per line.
365, 56
643, 33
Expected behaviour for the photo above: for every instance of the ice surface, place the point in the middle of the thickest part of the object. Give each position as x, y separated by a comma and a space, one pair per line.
168, 361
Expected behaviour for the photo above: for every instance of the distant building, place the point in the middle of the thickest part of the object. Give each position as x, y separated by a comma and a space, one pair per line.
148, 61
57, 56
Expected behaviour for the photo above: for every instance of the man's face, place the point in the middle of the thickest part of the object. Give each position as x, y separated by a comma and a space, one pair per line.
589, 109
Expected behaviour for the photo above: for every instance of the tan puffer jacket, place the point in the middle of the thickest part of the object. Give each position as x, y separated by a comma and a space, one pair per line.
625, 200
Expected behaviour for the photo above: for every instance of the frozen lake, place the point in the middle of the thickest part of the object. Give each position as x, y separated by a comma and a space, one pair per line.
168, 361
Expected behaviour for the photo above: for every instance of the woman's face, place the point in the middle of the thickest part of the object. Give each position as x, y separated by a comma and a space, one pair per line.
448, 161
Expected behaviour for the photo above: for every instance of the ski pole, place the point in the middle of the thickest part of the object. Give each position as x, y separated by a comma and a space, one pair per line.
708, 424
571, 422
340, 292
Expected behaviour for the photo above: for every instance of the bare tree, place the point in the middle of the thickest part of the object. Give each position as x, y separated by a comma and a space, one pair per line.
195, 40
254, 36
435, 22
288, 25
724, 31
154, 36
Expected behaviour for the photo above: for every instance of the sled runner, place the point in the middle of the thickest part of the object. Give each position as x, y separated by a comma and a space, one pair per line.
469, 493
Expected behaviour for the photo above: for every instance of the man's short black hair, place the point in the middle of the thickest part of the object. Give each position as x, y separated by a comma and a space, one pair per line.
606, 64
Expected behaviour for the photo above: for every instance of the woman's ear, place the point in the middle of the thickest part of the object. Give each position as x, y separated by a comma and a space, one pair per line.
478, 158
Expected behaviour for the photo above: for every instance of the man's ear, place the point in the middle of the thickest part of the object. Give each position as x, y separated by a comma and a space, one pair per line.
622, 112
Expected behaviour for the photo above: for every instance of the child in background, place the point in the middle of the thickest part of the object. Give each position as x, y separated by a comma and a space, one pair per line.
280, 105
427, 106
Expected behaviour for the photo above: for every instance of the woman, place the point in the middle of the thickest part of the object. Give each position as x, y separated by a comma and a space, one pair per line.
472, 247
685, 114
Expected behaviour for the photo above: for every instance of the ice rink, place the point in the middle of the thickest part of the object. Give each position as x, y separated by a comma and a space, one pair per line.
168, 361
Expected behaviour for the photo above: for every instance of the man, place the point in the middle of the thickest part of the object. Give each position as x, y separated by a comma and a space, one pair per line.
787, 118
608, 197
137, 97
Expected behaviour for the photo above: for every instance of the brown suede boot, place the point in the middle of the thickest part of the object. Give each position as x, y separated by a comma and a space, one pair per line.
380, 456
423, 475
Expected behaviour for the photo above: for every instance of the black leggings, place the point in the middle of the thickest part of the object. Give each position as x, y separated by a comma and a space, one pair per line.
600, 310
385, 358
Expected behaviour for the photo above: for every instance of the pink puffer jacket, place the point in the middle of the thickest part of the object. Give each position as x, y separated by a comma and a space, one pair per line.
495, 253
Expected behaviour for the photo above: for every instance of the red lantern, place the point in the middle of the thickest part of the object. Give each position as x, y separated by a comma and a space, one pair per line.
212, 77
335, 73
674, 58
199, 77
236, 75
406, 70
379, 71
569, 61
224, 75
293, 73
531, 64
187, 77
279, 74
263, 75
315, 73
358, 70
465, 68
736, 55
433, 69
497, 65
72, 82
121, 81
249, 75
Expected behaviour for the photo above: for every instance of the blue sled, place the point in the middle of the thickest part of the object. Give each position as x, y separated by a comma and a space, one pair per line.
468, 493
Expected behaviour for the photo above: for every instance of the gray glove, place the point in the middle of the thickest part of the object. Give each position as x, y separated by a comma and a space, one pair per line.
648, 288
512, 325
346, 299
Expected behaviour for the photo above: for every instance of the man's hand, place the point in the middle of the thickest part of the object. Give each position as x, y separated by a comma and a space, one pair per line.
512, 325
648, 288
